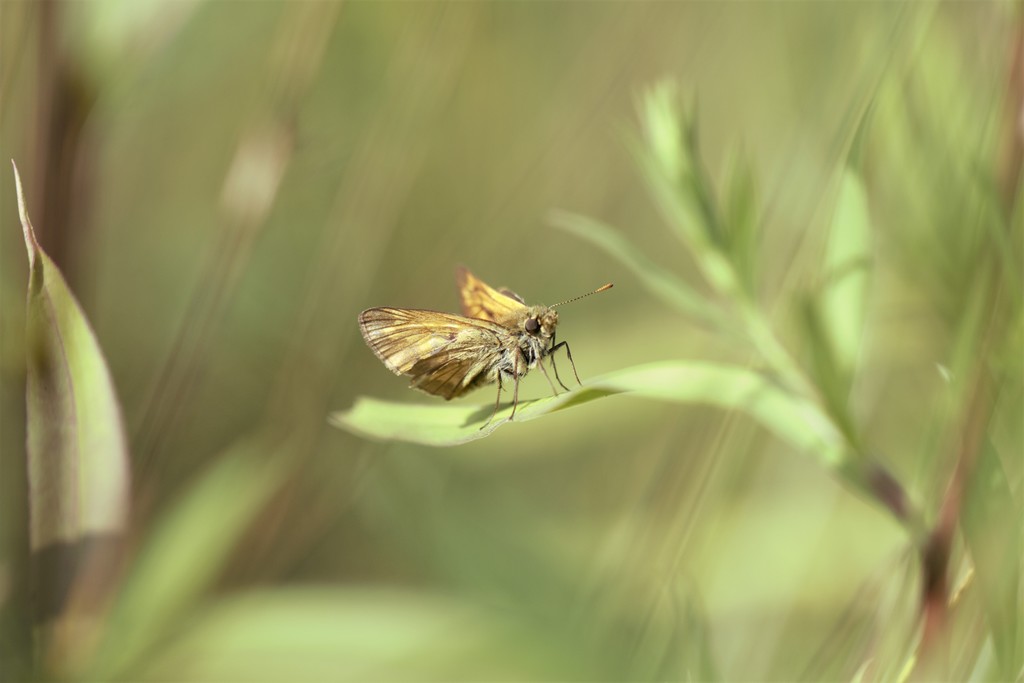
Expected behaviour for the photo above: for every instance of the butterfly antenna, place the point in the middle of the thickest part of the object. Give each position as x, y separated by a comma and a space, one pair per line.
581, 296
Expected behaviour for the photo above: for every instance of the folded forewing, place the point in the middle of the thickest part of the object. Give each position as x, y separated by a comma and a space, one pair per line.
444, 354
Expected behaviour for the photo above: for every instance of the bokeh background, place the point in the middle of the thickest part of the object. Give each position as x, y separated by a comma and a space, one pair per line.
225, 185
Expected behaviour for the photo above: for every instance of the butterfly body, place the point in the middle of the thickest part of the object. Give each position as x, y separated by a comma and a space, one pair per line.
497, 338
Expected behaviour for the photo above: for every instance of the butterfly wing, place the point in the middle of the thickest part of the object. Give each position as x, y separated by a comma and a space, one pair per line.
444, 354
481, 301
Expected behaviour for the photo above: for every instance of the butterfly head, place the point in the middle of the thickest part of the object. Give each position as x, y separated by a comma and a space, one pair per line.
540, 322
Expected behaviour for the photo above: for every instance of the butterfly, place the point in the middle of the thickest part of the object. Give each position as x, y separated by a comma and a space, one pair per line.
498, 338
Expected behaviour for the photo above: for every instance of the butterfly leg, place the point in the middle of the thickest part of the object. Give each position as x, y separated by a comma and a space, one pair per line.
571, 363
548, 377
497, 402
554, 367
515, 387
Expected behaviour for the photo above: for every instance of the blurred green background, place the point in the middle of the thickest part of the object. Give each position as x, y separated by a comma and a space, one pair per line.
225, 185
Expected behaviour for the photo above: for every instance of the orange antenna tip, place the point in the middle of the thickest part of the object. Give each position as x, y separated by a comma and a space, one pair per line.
569, 301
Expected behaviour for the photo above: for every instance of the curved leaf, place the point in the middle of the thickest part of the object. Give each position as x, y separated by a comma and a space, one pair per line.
847, 260
78, 463
725, 386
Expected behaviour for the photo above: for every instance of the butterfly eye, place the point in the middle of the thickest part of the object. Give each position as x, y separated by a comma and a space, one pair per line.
532, 325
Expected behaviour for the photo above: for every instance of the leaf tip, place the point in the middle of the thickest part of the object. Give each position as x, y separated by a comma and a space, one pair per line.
26, 225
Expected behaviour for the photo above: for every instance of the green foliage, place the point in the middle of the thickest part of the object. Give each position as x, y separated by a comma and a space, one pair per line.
696, 382
334, 634
996, 546
183, 556
844, 299
833, 305
810, 415
664, 285
78, 467
813, 410
76, 444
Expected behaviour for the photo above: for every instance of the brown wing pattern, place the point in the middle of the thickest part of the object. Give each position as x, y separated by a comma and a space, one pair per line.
444, 354
481, 301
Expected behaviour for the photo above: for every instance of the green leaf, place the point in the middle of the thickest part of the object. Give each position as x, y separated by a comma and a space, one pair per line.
741, 221
670, 160
991, 525
847, 263
660, 282
725, 386
661, 119
185, 553
78, 462
833, 386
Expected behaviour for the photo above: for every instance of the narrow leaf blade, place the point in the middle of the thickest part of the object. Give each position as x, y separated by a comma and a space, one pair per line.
741, 221
670, 161
78, 461
658, 281
725, 386
847, 263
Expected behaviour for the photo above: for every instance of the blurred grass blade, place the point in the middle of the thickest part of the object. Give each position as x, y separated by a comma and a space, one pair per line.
725, 386
660, 118
78, 464
661, 283
319, 634
833, 386
991, 525
675, 644
847, 260
741, 221
671, 163
185, 554
834, 318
